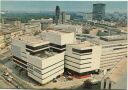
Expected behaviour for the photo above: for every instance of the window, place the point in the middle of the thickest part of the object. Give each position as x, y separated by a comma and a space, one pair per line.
109, 85
57, 46
30, 66
38, 47
82, 51
19, 59
104, 84
37, 70
119, 48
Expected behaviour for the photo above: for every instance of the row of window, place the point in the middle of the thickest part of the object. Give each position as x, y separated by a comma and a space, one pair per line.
119, 48
31, 67
38, 47
82, 51
57, 46
113, 46
19, 59
46, 45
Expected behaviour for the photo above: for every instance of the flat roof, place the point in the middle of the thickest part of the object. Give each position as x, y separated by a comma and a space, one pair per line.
58, 32
80, 45
45, 54
33, 41
98, 40
114, 37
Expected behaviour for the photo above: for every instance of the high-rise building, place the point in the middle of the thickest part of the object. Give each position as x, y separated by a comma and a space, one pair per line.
57, 16
63, 17
98, 11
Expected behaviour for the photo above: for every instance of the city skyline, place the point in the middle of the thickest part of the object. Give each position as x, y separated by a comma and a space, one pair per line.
68, 6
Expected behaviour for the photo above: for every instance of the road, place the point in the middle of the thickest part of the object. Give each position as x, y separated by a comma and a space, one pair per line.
5, 58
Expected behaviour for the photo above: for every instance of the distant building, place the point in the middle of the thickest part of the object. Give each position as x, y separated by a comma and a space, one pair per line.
65, 17
60, 17
45, 23
10, 31
57, 14
31, 27
87, 17
68, 17
17, 24
98, 11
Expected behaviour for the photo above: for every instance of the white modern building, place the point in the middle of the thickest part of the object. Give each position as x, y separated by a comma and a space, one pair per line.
82, 57
38, 58
58, 39
114, 48
42, 58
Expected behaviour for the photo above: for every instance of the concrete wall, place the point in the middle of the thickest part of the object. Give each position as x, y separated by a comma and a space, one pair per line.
111, 57
57, 38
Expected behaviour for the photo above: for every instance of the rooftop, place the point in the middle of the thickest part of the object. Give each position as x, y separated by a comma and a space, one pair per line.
104, 40
79, 44
114, 37
33, 41
45, 54
58, 32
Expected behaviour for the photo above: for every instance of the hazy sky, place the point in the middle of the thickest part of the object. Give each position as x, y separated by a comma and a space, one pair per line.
81, 6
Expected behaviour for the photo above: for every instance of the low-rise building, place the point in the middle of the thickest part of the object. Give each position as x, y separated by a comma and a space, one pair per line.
82, 57
10, 31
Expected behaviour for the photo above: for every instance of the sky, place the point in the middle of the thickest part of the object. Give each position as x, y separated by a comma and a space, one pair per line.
76, 6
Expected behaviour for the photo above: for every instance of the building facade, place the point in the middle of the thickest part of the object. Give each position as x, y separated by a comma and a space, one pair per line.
82, 57
36, 56
43, 59
114, 48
